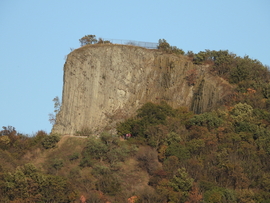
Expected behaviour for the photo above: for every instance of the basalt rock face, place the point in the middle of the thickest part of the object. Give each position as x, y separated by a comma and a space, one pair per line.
104, 84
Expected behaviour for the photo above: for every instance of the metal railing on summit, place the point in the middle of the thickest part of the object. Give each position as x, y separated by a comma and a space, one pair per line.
148, 45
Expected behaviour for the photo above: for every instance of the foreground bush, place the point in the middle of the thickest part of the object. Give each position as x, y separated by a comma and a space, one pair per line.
50, 141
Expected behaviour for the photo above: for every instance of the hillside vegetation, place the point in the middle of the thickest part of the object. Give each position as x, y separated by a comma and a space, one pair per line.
173, 155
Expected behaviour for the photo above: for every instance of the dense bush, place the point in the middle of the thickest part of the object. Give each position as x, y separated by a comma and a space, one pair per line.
209, 120
74, 156
50, 141
28, 184
148, 115
108, 148
223, 147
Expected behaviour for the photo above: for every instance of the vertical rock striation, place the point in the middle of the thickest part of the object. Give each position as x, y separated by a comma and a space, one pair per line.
104, 84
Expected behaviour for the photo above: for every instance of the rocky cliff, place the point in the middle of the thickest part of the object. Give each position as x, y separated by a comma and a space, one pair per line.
106, 83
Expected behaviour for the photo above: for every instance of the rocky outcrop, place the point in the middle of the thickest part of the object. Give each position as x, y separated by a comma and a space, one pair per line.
104, 84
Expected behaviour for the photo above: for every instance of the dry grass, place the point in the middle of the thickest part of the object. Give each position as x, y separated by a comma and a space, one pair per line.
65, 147
134, 178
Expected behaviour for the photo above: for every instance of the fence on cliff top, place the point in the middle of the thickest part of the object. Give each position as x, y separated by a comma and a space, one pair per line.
148, 45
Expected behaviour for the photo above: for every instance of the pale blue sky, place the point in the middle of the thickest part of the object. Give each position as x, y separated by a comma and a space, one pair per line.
36, 35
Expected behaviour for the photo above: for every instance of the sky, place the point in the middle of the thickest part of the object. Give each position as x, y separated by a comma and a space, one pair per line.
36, 36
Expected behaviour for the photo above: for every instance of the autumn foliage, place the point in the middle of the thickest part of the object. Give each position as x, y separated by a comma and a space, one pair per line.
172, 155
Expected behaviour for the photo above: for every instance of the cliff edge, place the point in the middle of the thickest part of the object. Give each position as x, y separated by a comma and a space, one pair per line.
106, 83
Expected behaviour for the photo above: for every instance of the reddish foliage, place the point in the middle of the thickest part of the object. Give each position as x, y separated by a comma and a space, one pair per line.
194, 195
132, 199
82, 199
251, 91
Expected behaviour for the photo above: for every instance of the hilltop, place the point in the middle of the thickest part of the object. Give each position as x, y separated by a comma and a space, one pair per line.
205, 139
107, 83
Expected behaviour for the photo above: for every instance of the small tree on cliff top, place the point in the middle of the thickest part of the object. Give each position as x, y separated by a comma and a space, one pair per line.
165, 46
88, 39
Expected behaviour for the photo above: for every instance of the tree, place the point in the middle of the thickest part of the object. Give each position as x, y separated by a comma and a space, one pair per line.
181, 182
57, 164
209, 120
28, 184
147, 159
9, 136
88, 39
163, 45
156, 135
194, 194
50, 141
178, 150
57, 106
95, 149
8, 130
242, 112
213, 196
149, 114
4, 142
154, 114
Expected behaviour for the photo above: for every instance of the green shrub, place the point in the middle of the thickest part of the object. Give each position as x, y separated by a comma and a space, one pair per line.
58, 164
74, 156
181, 181
213, 196
242, 112
178, 150
149, 114
50, 141
125, 127
87, 161
218, 194
38, 138
95, 149
28, 184
108, 148
209, 120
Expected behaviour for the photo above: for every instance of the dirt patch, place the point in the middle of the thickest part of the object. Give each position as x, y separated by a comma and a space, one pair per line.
135, 179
